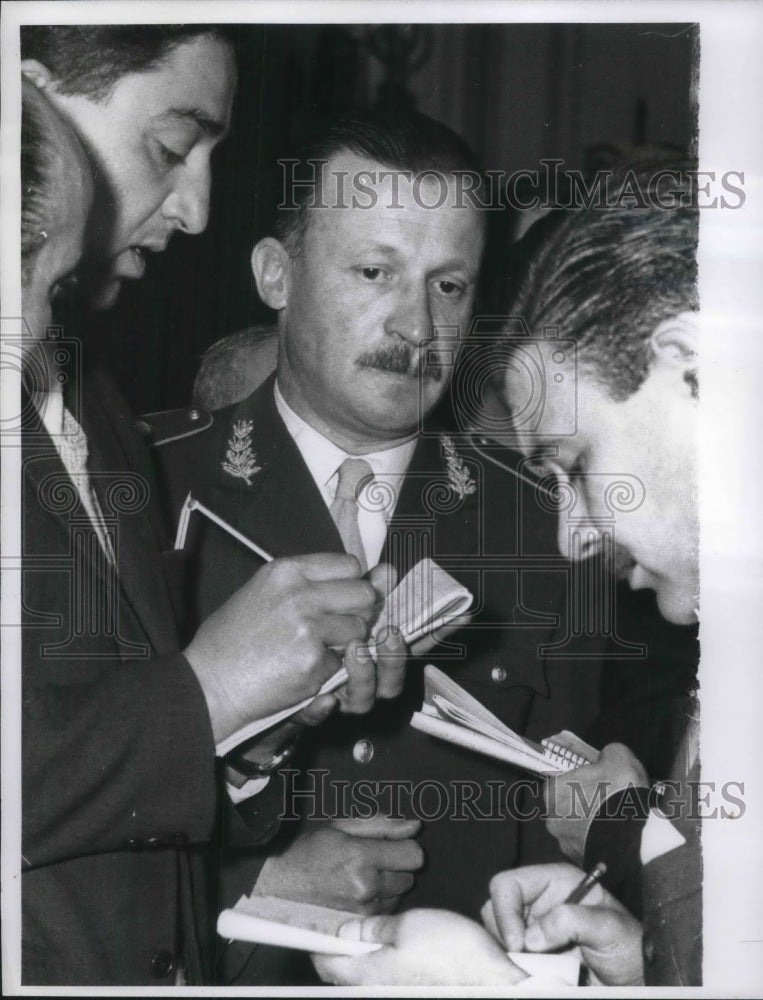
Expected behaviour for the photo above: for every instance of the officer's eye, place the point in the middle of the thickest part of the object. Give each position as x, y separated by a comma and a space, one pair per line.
449, 288
372, 273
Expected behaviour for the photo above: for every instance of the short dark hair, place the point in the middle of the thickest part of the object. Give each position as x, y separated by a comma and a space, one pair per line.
45, 169
607, 277
404, 140
91, 59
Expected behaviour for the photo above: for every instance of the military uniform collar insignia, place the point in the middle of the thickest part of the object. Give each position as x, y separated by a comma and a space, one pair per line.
459, 477
240, 461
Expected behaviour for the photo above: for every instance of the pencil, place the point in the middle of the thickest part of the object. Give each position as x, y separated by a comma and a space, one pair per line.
587, 883
190, 505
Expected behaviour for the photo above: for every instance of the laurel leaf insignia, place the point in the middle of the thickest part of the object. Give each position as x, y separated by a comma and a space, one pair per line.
459, 477
240, 461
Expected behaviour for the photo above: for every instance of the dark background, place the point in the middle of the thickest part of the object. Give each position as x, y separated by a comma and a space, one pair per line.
584, 93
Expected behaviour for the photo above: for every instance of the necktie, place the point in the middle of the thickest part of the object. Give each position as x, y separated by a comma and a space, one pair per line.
352, 475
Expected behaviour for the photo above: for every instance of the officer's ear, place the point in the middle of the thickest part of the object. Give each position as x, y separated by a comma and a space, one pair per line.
271, 266
675, 343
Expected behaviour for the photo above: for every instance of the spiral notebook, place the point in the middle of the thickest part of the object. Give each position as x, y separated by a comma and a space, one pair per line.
451, 713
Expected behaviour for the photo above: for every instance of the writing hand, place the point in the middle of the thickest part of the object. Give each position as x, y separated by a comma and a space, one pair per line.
526, 912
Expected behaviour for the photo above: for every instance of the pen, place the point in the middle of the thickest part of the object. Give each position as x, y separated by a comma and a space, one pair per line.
190, 505
587, 883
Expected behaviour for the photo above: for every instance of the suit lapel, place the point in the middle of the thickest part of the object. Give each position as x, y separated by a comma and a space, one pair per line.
121, 478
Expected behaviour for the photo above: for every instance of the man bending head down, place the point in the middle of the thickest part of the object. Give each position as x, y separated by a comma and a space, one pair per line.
610, 301
620, 284
150, 103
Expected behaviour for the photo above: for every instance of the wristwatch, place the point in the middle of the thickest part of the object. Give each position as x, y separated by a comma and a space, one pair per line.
247, 763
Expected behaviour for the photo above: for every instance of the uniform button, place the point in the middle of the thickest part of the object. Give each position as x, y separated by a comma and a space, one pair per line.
162, 964
363, 751
193, 414
498, 675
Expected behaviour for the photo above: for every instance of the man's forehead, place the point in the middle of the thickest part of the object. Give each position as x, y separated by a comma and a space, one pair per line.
347, 176
194, 82
541, 391
367, 206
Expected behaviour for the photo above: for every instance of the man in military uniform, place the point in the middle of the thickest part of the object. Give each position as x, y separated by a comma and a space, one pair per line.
373, 275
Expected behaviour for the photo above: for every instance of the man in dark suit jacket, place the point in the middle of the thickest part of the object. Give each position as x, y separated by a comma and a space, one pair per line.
117, 747
120, 727
373, 304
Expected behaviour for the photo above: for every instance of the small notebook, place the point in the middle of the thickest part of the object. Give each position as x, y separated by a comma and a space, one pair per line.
286, 924
307, 927
426, 599
451, 713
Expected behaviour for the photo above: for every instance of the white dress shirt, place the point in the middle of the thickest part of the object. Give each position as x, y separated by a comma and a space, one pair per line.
70, 442
377, 501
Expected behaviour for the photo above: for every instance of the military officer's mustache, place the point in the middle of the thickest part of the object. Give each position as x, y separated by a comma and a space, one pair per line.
399, 360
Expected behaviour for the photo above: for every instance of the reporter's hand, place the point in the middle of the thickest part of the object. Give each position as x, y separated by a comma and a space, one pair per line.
422, 948
362, 865
570, 813
422, 646
369, 677
526, 912
267, 647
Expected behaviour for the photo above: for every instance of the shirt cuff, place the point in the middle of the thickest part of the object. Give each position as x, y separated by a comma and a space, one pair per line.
252, 787
658, 837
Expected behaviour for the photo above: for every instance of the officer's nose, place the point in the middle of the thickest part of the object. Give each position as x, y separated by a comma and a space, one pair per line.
410, 317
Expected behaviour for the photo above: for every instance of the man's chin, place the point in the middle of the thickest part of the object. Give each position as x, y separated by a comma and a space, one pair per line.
678, 606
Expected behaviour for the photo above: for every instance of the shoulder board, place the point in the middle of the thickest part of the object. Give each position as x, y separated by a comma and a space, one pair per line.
165, 426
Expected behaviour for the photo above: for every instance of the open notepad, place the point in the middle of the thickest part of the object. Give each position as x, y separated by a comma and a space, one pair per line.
426, 599
307, 927
452, 714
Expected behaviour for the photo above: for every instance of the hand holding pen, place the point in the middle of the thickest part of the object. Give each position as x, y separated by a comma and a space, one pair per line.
542, 908
587, 883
